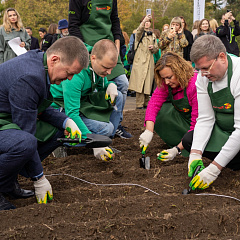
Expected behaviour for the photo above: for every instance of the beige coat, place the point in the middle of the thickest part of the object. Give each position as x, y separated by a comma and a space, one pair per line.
142, 73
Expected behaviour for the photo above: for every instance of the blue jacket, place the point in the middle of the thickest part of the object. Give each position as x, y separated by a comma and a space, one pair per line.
23, 87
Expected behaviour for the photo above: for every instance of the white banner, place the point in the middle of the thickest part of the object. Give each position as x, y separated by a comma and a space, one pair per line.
199, 9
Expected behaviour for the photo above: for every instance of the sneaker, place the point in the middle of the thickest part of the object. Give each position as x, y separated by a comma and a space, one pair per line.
122, 133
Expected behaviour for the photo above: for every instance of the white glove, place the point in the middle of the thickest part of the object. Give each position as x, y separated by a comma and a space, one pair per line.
145, 138
73, 129
43, 190
112, 92
168, 154
205, 177
104, 153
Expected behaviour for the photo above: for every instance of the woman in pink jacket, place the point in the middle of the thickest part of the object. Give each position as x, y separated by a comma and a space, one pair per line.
173, 108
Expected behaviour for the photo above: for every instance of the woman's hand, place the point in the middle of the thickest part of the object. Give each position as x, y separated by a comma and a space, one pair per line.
180, 30
171, 33
22, 44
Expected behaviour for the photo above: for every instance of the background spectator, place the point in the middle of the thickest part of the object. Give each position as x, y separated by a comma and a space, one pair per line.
195, 28
189, 37
204, 29
34, 41
62, 30
12, 28
213, 24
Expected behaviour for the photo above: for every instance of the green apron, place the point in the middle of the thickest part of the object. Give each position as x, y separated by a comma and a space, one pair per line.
94, 106
44, 130
223, 106
174, 120
99, 26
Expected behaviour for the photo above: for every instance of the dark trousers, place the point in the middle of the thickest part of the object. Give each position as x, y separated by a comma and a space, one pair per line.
187, 144
21, 153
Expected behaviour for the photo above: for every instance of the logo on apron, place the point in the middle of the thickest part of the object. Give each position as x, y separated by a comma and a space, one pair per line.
104, 8
226, 106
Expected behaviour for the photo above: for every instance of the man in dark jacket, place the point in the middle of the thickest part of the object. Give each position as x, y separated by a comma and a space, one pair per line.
24, 110
227, 33
34, 41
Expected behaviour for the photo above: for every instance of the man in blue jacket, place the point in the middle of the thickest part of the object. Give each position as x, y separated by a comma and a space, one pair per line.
24, 110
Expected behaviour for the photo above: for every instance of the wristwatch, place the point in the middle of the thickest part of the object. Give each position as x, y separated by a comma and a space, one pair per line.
179, 150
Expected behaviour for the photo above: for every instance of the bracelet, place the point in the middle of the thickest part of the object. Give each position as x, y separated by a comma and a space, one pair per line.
179, 150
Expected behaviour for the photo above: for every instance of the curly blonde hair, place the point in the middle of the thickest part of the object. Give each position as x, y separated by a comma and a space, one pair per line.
6, 23
182, 69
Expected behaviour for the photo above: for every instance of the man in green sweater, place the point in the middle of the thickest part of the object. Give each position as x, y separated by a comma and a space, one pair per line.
93, 102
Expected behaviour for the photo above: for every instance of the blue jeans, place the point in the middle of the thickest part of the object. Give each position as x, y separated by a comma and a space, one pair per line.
122, 86
104, 128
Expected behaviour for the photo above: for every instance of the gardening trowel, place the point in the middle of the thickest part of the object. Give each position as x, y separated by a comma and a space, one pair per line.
187, 191
144, 161
92, 141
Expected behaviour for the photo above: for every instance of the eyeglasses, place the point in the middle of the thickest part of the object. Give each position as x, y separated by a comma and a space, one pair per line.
205, 73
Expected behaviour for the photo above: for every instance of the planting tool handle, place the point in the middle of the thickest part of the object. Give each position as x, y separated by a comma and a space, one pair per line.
194, 174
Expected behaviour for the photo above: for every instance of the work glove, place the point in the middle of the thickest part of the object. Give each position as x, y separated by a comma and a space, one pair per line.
111, 92
195, 160
205, 177
73, 130
167, 155
43, 190
104, 153
144, 139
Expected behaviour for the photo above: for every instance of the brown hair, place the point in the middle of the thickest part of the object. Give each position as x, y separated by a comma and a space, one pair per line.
185, 24
164, 26
52, 29
199, 27
126, 37
182, 69
157, 33
143, 18
195, 24
6, 23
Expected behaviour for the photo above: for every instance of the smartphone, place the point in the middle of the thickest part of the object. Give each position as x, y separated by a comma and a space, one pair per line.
229, 10
148, 11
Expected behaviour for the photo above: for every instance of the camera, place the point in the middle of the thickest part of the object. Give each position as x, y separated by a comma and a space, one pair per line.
149, 33
229, 10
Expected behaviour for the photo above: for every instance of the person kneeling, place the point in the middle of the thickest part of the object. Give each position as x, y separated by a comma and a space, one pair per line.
93, 102
175, 79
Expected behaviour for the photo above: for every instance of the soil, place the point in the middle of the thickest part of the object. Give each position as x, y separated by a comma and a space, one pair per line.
81, 210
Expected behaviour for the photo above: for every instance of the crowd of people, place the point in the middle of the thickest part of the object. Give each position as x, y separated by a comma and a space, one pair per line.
77, 80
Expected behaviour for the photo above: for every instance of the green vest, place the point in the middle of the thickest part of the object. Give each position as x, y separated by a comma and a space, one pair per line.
99, 26
174, 120
223, 106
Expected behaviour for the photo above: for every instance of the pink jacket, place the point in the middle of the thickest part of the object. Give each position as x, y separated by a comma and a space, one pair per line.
160, 96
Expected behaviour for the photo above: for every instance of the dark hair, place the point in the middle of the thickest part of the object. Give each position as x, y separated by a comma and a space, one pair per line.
185, 24
29, 28
43, 30
143, 18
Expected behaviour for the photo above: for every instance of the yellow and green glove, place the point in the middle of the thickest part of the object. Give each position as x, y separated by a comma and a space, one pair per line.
43, 190
144, 140
74, 131
111, 93
205, 178
195, 160
167, 155
104, 153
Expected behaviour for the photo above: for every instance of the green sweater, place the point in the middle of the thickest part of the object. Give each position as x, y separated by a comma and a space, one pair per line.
73, 90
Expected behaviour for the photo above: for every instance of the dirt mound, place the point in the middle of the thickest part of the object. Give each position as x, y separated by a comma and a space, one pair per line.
155, 210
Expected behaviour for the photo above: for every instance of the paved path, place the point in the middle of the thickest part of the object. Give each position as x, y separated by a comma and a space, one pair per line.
130, 103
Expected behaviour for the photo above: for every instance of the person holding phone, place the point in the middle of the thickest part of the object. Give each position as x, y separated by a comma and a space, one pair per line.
173, 39
228, 34
142, 74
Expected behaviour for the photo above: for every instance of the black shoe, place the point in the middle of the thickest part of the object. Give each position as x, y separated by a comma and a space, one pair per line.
4, 204
18, 192
122, 133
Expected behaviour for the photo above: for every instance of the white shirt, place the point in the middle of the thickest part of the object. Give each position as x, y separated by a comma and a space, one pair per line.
206, 116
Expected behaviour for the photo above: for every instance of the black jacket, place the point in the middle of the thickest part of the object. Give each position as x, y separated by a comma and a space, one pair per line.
79, 14
227, 35
34, 43
47, 42
187, 49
